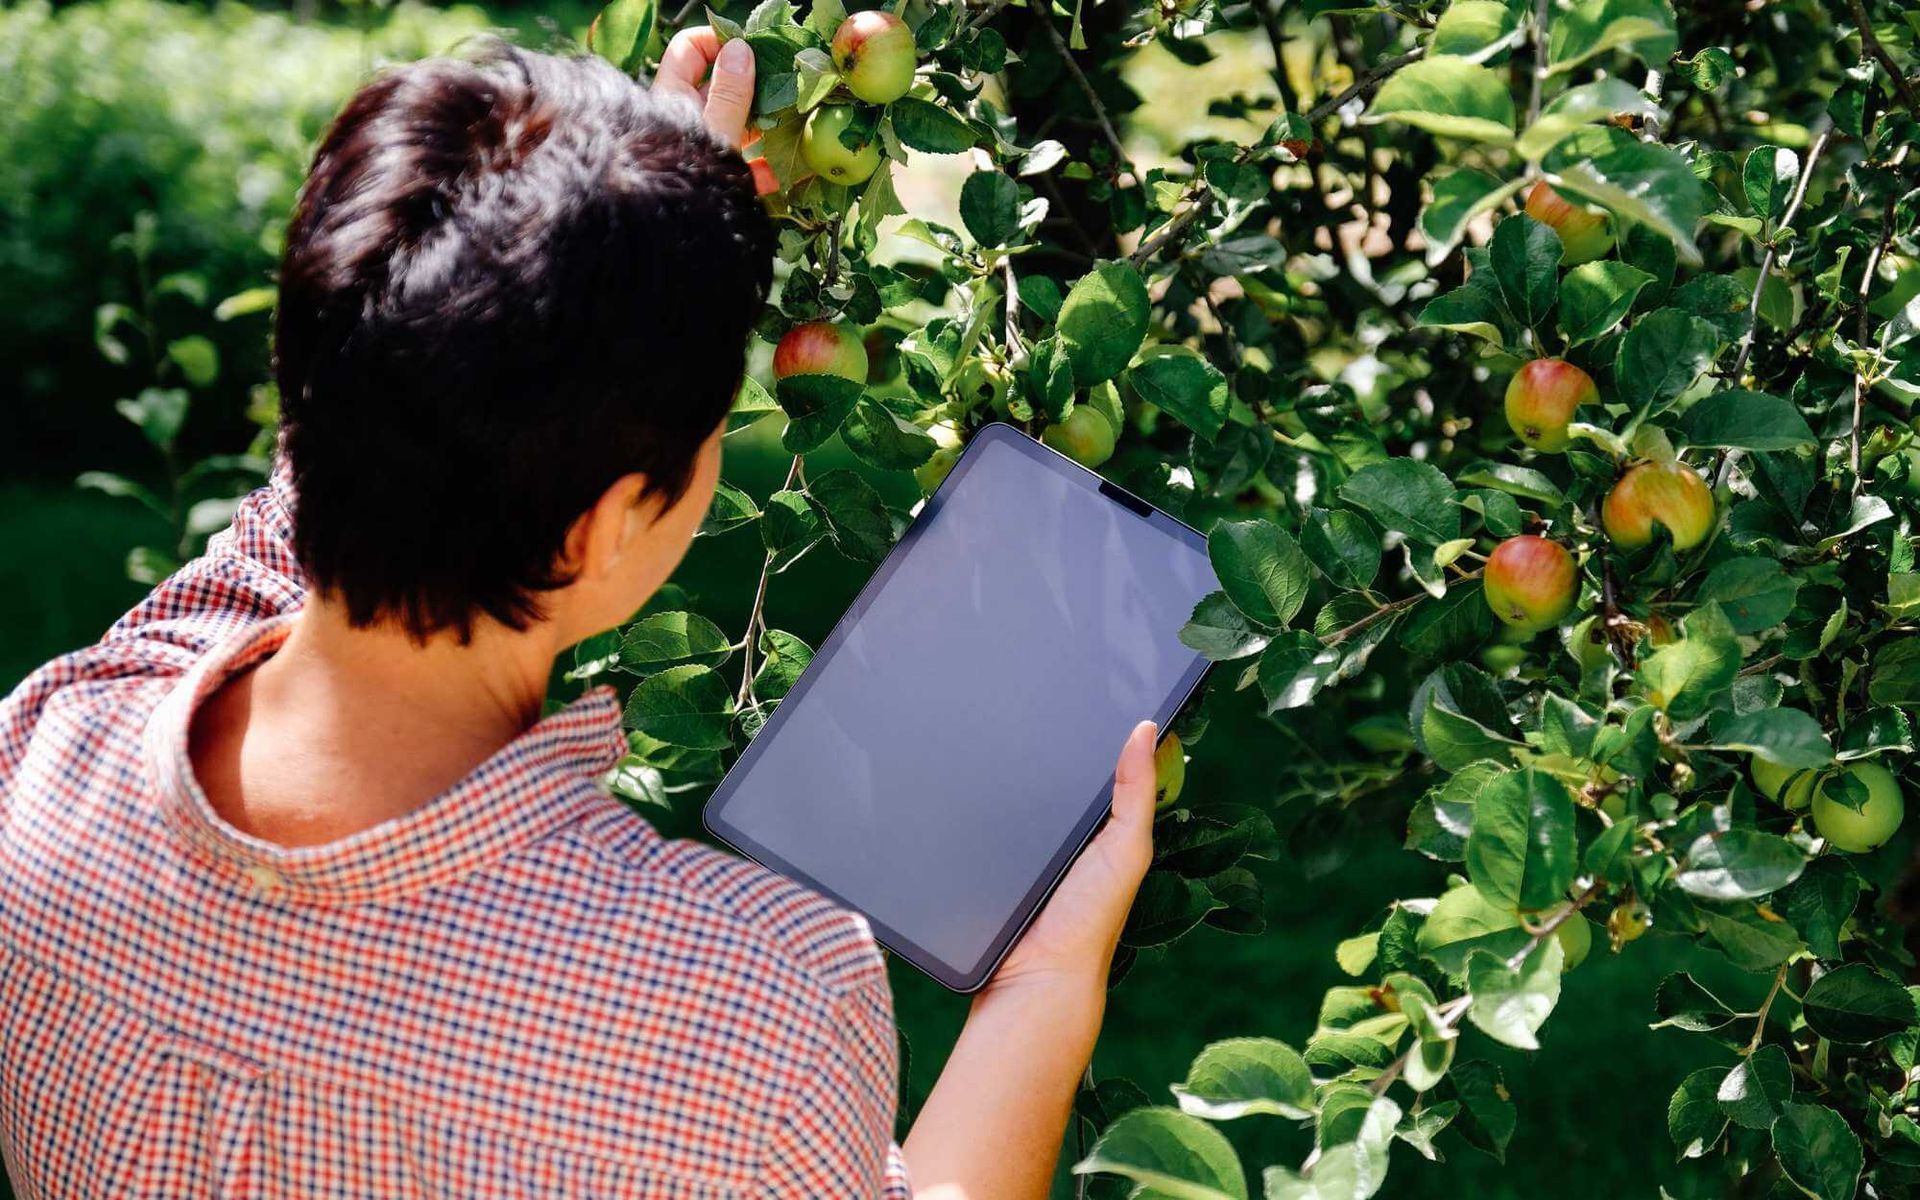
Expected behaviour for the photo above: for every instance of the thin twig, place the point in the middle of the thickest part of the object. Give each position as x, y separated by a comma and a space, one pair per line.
1760, 1024
981, 18
1539, 59
1013, 305
1385, 610
1200, 200
756, 615
1086, 87
1366, 83
1871, 44
1656, 84
1863, 331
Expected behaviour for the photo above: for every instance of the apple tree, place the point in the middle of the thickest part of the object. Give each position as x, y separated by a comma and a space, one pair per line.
1542, 374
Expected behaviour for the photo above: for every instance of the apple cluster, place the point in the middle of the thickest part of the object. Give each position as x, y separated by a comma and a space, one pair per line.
875, 55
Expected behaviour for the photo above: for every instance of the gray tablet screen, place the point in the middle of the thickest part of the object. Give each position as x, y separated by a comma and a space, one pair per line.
963, 720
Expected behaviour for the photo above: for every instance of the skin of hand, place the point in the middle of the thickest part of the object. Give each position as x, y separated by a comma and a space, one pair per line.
719, 81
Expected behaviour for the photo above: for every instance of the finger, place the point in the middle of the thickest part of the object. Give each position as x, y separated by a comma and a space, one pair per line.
1133, 783
730, 95
684, 65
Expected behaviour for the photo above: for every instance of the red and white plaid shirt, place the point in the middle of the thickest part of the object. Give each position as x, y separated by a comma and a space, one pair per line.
520, 989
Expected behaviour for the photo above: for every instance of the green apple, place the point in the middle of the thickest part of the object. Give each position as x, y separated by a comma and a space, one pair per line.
1575, 936
1868, 829
947, 446
1772, 778
829, 157
1169, 771
874, 53
1085, 436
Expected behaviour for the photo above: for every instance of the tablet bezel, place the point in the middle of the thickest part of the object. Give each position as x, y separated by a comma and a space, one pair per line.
965, 978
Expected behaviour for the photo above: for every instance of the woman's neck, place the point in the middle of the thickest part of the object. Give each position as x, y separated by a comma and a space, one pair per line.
344, 728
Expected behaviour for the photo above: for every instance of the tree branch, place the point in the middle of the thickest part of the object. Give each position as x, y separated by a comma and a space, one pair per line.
1385, 610
756, 615
1539, 59
1365, 84
1773, 250
1871, 45
1863, 331
1121, 158
1760, 1024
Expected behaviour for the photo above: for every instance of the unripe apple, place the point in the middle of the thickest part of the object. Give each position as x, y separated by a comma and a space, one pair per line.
1671, 493
874, 53
1868, 829
829, 157
1584, 235
947, 446
821, 348
1169, 771
1772, 780
985, 383
1541, 399
1575, 936
1530, 582
1627, 922
1085, 436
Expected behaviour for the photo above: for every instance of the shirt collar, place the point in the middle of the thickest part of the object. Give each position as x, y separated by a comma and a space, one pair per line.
534, 784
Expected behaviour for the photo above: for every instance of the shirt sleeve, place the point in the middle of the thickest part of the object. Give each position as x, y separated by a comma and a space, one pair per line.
836, 1136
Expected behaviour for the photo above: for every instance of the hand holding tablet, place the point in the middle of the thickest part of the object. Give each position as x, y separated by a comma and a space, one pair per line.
951, 747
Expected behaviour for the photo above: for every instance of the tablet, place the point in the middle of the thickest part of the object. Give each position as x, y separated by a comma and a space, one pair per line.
951, 746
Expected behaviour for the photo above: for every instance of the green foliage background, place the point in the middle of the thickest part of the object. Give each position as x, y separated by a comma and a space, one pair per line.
1324, 198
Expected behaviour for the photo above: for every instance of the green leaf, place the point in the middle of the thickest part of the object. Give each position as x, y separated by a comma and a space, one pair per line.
1785, 737
1750, 941
750, 403
1524, 482
855, 518
1458, 197
1644, 182
1681, 1002
1167, 906
683, 706
1694, 1116
1818, 1151
1487, 1116
1474, 30
1522, 852
1220, 631
1739, 864
1103, 321
1820, 902
666, 638
1644, 27
815, 406
1754, 593
1190, 389
1660, 357
1510, 1006
1243, 1076
1464, 920
1406, 496
197, 357
1756, 1091
1293, 667
620, 33
1473, 309
1746, 421
1261, 568
880, 438
156, 412
1441, 820
1857, 1004
1450, 97
1526, 264
1579, 106
924, 125
789, 527
1458, 717
1455, 622
1685, 677
1168, 1154
1768, 178
990, 207
1349, 1170
1595, 296
783, 658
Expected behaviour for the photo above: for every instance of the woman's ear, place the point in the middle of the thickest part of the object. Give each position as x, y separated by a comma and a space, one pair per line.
602, 534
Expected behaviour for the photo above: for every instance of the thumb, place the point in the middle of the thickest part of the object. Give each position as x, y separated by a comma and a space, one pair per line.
730, 93
1133, 788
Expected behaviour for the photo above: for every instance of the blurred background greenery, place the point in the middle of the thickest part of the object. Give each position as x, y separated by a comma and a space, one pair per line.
202, 116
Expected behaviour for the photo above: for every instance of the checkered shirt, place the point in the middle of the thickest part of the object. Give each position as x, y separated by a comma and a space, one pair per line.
519, 989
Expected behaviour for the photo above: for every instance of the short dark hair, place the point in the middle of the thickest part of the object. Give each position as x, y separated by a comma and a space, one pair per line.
510, 279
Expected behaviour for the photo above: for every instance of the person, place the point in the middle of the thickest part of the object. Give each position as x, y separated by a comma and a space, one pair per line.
300, 893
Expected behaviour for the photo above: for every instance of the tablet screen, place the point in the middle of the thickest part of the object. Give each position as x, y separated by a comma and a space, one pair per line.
961, 724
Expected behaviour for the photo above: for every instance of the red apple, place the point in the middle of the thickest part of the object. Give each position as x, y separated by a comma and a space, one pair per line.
820, 348
874, 53
1541, 400
1672, 494
1530, 583
1584, 234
